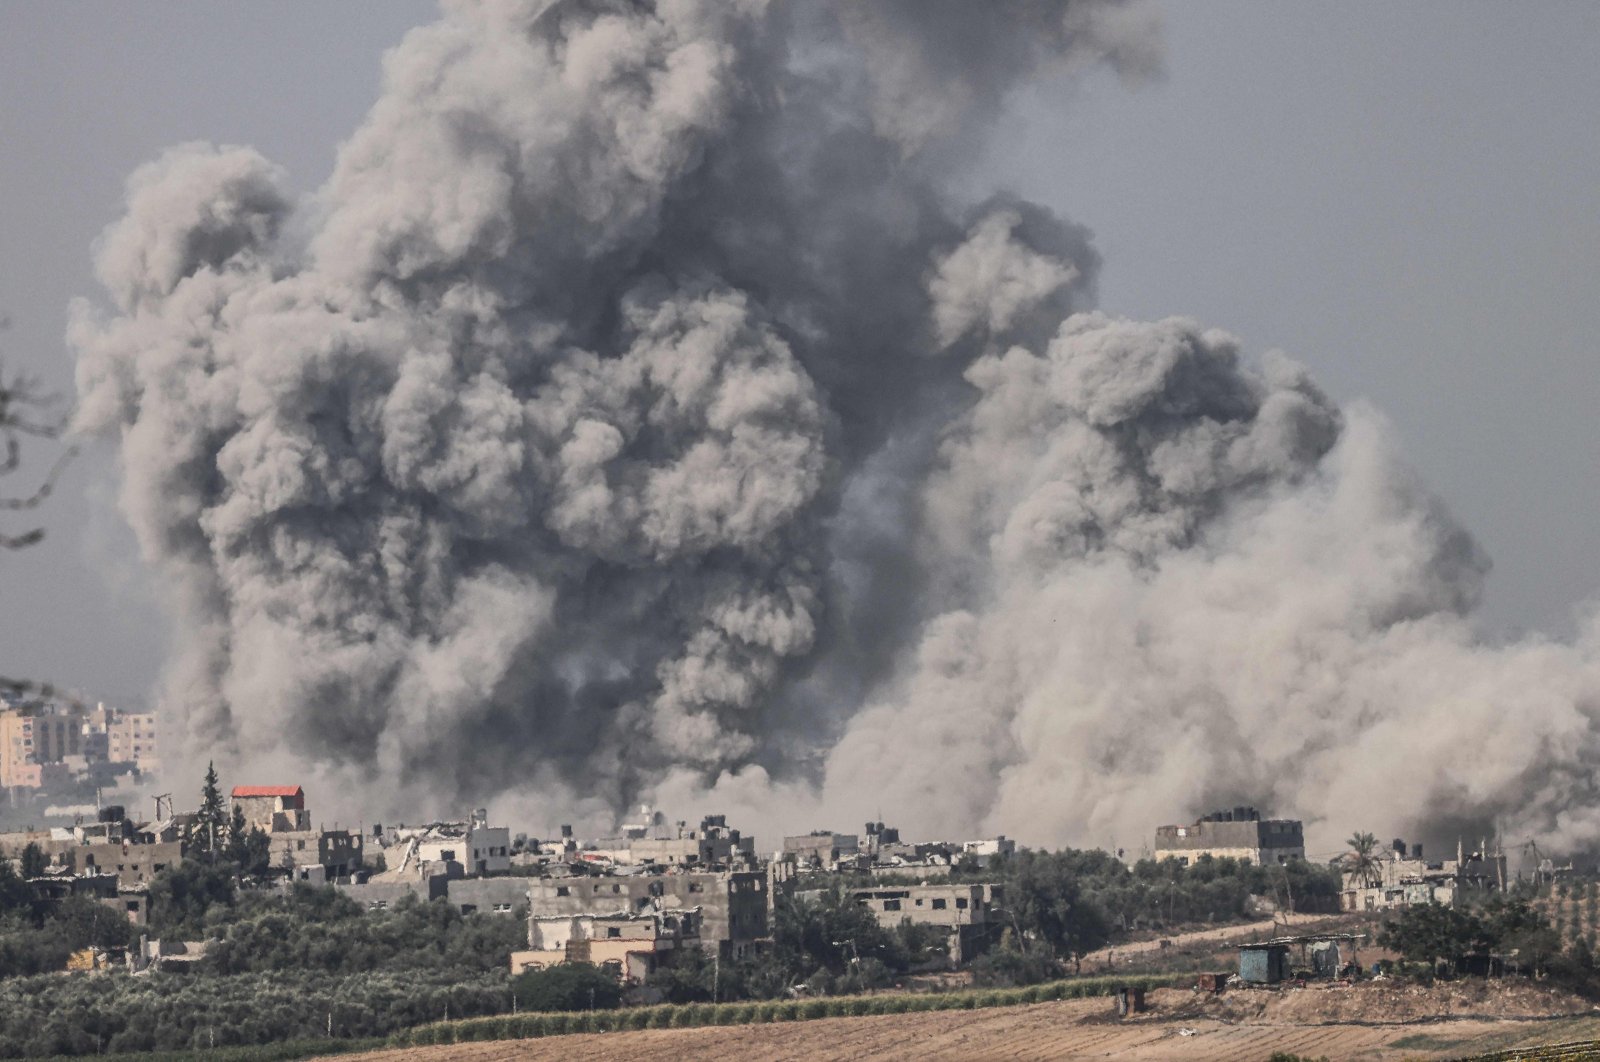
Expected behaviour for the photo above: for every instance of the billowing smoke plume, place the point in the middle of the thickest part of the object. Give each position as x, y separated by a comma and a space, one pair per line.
637, 410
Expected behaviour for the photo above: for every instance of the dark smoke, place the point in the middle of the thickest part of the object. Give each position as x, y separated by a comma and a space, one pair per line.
643, 413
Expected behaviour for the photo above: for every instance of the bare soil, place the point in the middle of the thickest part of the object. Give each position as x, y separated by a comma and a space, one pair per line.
1202, 937
1379, 1003
1367, 1021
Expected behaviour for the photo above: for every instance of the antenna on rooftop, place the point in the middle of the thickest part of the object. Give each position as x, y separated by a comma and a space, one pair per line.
160, 797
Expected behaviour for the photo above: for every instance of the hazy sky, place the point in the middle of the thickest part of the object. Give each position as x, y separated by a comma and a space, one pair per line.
1405, 197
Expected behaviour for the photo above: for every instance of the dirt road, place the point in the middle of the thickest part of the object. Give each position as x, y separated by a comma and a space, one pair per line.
1221, 935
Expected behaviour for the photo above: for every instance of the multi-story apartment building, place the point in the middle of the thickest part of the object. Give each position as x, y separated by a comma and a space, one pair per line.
131, 738
962, 910
733, 903
30, 741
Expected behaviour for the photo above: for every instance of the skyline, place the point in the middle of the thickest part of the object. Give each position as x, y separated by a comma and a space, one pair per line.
1289, 219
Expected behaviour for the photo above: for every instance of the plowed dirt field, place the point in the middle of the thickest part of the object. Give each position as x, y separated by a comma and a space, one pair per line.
1368, 1022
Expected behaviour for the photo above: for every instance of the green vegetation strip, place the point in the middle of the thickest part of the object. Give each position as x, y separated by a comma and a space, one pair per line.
693, 1015
1584, 1050
283, 1051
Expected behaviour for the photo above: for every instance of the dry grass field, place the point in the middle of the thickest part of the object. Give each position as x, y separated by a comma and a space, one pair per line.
1366, 1022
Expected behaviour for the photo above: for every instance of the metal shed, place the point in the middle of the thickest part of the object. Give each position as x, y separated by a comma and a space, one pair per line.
1263, 964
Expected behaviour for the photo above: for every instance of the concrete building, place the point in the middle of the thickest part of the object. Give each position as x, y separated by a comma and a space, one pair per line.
489, 895
273, 808
879, 838
382, 895
963, 910
900, 870
650, 840
294, 845
31, 741
53, 888
733, 903
337, 852
133, 864
1001, 847
481, 850
131, 902
1402, 880
713, 844
95, 746
821, 849
1238, 834
630, 946
131, 738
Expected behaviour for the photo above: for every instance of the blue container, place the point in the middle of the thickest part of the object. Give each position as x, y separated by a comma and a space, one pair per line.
1264, 964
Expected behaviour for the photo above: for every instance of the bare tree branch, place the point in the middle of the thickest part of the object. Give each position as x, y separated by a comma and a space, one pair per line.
27, 411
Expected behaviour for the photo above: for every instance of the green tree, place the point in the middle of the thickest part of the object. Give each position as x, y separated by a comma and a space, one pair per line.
1008, 965
1515, 926
1043, 894
693, 976
1436, 934
211, 824
33, 861
831, 933
567, 986
15, 893
182, 897
248, 849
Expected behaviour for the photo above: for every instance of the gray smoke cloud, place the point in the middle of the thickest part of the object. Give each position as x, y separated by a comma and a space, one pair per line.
638, 411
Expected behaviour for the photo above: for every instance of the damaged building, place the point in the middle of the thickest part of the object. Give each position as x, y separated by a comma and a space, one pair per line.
295, 846
458, 849
733, 903
964, 911
822, 849
466, 862
1240, 834
655, 843
631, 946
1404, 878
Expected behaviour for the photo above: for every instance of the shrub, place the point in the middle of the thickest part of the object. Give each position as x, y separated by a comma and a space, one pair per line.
568, 986
736, 1014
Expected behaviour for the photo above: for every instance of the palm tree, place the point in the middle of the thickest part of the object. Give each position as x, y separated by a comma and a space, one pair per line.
1361, 861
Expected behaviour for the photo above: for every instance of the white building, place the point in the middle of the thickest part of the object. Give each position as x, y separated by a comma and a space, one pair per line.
480, 849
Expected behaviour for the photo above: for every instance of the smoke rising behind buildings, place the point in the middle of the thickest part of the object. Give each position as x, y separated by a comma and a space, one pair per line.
640, 410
